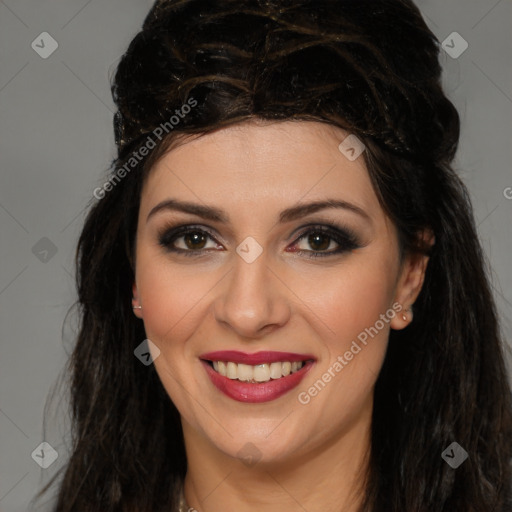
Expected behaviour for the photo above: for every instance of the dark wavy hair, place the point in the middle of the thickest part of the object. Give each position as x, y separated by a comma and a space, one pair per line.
371, 68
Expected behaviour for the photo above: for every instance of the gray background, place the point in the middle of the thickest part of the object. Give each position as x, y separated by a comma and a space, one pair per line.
56, 142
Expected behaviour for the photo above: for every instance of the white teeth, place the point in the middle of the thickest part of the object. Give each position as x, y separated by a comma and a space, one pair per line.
261, 373
231, 372
245, 372
258, 373
222, 368
275, 370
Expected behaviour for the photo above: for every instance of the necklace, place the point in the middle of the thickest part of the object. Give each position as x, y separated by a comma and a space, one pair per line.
183, 506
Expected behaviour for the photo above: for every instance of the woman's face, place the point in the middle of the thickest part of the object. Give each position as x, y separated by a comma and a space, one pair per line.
269, 280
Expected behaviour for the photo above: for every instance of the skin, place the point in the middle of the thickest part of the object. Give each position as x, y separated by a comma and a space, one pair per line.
310, 456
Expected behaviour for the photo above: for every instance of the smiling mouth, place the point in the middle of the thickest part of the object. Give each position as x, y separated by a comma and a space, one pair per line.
257, 374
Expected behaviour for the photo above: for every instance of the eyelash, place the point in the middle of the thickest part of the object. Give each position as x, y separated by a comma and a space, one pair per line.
344, 237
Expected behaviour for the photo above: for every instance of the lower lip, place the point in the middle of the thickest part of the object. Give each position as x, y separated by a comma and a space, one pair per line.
256, 392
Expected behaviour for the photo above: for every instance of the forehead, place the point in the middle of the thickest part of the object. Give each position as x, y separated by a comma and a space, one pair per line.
260, 165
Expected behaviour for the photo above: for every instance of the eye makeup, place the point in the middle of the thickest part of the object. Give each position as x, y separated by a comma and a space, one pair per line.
195, 237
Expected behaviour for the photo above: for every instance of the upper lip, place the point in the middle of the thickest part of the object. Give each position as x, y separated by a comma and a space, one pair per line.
236, 356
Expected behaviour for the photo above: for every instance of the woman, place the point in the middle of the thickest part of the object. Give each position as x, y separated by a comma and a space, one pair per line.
283, 297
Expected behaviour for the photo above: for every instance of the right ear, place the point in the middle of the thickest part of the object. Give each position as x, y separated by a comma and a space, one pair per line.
136, 305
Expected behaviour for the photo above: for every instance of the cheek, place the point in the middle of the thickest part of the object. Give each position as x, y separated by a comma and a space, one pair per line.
351, 296
173, 297
355, 301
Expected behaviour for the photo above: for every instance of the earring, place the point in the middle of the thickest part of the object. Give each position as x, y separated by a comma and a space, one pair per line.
405, 315
136, 307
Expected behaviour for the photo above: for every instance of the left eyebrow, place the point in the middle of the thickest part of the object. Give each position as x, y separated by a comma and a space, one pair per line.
302, 210
295, 212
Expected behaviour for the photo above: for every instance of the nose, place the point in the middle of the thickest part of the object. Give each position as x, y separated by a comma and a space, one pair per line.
253, 300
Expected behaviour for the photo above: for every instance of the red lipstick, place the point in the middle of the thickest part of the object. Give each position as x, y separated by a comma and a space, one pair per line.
256, 392
256, 358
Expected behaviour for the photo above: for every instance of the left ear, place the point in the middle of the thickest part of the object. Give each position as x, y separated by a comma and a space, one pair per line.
411, 280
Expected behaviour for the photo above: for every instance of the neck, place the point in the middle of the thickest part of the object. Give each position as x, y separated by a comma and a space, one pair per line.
328, 477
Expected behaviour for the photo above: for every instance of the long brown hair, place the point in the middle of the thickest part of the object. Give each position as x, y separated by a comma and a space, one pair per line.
371, 68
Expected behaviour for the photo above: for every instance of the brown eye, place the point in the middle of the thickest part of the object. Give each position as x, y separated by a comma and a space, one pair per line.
319, 241
320, 238
186, 240
194, 240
